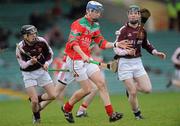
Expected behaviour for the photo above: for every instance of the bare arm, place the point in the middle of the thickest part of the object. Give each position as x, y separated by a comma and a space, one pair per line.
124, 44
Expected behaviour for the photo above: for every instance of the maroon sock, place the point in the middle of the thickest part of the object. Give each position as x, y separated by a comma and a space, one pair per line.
109, 110
68, 107
40, 98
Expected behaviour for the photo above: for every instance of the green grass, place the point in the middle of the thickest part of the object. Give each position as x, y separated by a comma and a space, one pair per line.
159, 109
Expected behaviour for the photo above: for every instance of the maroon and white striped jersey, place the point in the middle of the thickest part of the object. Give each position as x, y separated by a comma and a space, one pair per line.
176, 58
40, 49
129, 33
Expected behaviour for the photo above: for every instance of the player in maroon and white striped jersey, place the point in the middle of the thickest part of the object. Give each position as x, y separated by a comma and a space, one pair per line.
176, 60
130, 67
34, 56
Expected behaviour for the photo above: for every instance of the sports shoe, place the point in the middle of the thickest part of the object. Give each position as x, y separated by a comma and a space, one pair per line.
140, 117
36, 118
115, 116
36, 121
29, 99
81, 113
68, 115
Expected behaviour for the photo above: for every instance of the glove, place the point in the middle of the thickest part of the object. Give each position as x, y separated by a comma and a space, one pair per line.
113, 66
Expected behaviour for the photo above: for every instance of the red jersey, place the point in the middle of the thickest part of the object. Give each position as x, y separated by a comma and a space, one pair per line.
83, 32
57, 64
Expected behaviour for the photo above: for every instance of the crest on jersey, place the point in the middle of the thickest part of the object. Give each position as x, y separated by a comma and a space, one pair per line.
141, 35
39, 49
86, 32
129, 34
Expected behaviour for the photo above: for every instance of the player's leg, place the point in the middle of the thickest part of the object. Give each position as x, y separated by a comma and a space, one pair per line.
86, 101
31, 91
143, 84
176, 79
82, 78
46, 82
133, 100
64, 79
60, 89
98, 79
50, 92
141, 77
77, 96
30, 83
126, 70
176, 82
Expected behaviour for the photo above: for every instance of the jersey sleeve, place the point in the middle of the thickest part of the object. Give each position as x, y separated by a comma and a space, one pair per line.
175, 56
121, 34
75, 34
99, 39
23, 64
146, 44
49, 52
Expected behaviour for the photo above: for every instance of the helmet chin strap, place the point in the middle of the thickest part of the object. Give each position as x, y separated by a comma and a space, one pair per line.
30, 43
95, 20
134, 22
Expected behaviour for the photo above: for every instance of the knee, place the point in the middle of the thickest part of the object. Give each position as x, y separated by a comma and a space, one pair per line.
53, 95
147, 90
34, 100
101, 85
132, 93
87, 91
94, 89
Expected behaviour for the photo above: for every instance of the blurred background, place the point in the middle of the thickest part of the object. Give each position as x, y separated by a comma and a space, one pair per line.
53, 19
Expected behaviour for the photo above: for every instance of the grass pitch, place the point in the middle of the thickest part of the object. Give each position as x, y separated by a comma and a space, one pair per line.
159, 109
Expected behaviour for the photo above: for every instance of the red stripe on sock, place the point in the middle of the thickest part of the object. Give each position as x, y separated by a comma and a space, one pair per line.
84, 106
109, 110
68, 107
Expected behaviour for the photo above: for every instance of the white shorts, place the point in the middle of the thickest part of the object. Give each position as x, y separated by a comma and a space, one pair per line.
177, 75
65, 77
38, 77
130, 68
84, 70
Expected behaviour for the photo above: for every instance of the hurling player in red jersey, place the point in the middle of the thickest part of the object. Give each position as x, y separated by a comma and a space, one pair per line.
84, 31
130, 68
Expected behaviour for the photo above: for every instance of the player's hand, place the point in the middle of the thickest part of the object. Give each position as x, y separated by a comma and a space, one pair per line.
33, 60
131, 51
161, 55
45, 66
85, 58
124, 44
